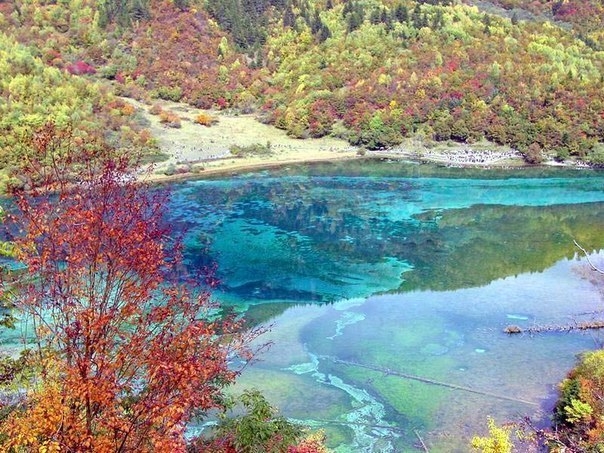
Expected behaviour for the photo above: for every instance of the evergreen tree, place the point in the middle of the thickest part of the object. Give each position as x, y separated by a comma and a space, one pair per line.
355, 19
514, 18
401, 14
324, 33
315, 23
375, 17
138, 11
289, 19
438, 20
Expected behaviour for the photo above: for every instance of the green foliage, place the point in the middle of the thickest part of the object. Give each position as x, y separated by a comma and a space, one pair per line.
470, 67
14, 371
246, 20
257, 149
33, 93
170, 93
596, 157
498, 440
454, 72
259, 430
579, 412
38, 93
123, 12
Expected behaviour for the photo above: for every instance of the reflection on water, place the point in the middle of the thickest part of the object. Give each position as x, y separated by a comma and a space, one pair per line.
389, 286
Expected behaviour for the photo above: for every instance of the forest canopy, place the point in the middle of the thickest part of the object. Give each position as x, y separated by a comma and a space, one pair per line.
519, 73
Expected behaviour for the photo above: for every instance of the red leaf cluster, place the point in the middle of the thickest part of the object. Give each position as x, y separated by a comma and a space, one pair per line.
80, 68
136, 353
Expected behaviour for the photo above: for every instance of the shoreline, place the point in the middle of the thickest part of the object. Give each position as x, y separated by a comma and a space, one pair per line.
235, 167
467, 158
197, 151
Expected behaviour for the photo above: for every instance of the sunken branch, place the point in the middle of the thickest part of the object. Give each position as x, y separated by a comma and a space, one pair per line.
594, 267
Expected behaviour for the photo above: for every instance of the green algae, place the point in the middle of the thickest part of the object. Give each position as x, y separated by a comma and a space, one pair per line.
291, 393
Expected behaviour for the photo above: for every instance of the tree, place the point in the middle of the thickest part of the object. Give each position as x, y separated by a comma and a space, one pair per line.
127, 351
258, 430
498, 440
578, 421
401, 13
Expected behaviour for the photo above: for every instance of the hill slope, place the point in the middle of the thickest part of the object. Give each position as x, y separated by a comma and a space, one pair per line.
370, 71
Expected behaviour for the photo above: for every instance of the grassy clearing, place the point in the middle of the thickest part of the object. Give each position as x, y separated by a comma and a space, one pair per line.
193, 147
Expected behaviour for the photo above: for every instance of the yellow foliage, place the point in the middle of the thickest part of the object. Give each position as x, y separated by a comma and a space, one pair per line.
34, 428
170, 119
205, 119
300, 88
498, 440
384, 79
155, 109
128, 109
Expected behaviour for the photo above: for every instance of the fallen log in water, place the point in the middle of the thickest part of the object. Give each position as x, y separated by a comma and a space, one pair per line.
588, 325
390, 372
421, 441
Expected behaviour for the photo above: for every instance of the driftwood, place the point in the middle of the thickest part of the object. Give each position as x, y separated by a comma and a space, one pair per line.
513, 329
390, 372
421, 441
588, 325
594, 267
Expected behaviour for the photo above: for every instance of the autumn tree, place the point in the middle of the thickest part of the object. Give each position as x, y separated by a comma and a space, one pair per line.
127, 350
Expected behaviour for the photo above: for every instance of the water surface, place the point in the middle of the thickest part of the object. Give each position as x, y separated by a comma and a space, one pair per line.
388, 285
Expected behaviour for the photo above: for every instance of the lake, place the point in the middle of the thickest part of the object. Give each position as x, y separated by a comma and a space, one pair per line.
388, 286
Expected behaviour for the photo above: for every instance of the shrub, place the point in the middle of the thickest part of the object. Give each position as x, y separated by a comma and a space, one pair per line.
597, 155
498, 440
128, 109
257, 149
534, 154
205, 119
169, 119
258, 429
170, 93
579, 412
80, 68
156, 109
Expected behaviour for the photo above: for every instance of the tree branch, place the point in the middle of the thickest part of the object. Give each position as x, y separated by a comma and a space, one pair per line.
595, 268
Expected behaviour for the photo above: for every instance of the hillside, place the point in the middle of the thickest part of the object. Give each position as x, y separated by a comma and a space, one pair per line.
373, 72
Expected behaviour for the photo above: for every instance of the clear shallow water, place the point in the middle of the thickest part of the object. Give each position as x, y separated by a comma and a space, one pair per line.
388, 287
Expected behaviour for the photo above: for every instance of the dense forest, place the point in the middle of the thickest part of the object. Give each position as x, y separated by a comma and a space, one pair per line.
520, 73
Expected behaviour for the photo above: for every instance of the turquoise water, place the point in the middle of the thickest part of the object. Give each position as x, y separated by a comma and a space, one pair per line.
388, 285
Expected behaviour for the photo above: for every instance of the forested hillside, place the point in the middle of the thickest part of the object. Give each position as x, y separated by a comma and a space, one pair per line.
585, 17
370, 71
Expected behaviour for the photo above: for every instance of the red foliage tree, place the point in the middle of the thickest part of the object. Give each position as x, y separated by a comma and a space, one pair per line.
80, 68
133, 355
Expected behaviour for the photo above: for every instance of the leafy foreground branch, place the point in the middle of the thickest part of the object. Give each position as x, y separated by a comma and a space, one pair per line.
126, 348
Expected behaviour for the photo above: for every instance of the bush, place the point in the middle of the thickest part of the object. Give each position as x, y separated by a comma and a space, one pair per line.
169, 119
597, 155
205, 119
579, 412
534, 154
155, 109
498, 440
257, 149
258, 430
170, 93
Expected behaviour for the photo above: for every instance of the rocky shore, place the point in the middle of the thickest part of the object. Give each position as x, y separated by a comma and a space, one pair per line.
458, 156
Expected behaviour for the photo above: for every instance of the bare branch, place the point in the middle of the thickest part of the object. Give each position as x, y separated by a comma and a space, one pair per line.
595, 268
